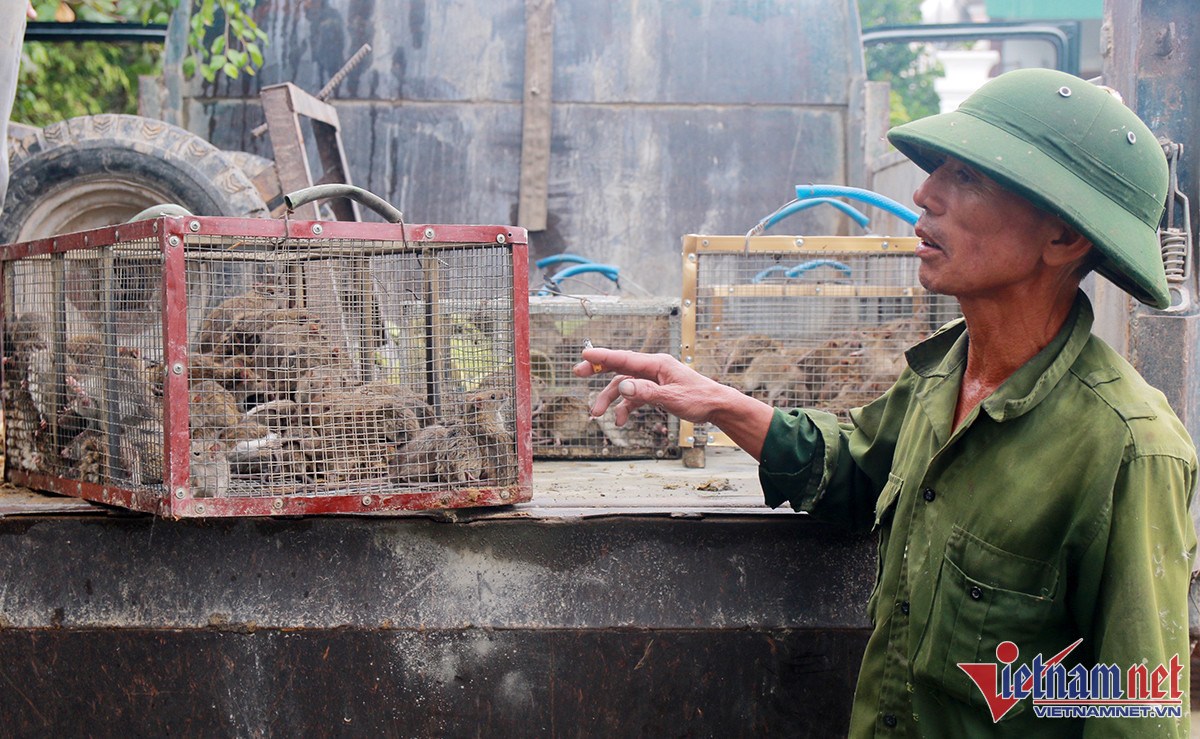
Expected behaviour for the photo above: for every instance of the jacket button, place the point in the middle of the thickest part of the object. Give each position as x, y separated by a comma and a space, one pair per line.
929, 495
890, 721
904, 608
976, 592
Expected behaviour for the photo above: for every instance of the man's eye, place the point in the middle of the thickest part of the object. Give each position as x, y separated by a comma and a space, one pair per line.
963, 174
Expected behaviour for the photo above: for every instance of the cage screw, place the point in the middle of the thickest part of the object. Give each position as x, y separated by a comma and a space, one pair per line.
687, 304
884, 244
179, 493
691, 440
367, 500
277, 504
318, 229
173, 240
501, 238
200, 508
194, 226
429, 233
704, 242
691, 257
505, 495
177, 368
687, 359
711, 438
799, 242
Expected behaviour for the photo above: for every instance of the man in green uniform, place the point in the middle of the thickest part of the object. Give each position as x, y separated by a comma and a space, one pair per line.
1027, 485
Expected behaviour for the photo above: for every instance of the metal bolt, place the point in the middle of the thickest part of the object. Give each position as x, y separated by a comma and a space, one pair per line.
1132, 137
884, 244
704, 242
799, 242
180, 493
501, 238
505, 495
277, 504
194, 226
173, 240
318, 229
687, 304
367, 500
691, 257
691, 439
711, 438
1064, 91
429, 233
687, 359
177, 368
200, 508
731, 290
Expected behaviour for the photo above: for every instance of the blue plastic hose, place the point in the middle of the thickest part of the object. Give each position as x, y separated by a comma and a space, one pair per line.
857, 193
814, 263
560, 258
610, 271
799, 205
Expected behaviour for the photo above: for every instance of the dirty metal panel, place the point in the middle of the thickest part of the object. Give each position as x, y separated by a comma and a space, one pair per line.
428, 682
757, 52
102, 572
625, 182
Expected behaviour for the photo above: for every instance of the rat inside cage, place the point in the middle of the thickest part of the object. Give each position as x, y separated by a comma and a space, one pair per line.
283, 368
563, 426
811, 322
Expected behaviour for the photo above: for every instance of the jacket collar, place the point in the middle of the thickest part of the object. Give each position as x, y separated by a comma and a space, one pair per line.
944, 355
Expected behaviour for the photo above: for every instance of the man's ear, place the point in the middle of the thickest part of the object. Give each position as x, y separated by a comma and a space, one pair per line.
1068, 246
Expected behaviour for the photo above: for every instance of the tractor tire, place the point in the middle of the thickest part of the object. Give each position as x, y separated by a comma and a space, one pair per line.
101, 170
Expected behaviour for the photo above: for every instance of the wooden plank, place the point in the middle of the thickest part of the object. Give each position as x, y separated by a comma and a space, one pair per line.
535, 123
805, 244
287, 143
823, 289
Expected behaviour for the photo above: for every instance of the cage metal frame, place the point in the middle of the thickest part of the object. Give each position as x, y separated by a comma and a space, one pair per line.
175, 500
698, 246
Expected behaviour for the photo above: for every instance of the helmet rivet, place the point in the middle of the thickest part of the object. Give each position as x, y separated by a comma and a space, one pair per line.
1132, 137
1064, 91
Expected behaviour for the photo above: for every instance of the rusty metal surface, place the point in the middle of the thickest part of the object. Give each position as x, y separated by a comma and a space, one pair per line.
428, 683
667, 118
1152, 56
705, 615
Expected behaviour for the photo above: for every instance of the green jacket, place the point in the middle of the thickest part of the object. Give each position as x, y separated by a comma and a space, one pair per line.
1058, 510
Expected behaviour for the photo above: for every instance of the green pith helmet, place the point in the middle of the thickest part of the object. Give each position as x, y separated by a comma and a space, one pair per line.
1072, 149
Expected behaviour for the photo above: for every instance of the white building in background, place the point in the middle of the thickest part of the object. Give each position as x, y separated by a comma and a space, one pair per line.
967, 69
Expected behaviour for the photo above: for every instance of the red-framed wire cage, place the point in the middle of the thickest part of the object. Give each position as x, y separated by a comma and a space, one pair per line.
205, 367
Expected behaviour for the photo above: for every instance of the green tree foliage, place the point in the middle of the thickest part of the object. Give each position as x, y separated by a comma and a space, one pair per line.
63, 80
908, 67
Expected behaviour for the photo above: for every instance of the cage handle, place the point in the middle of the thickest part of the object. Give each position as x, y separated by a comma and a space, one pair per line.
337, 190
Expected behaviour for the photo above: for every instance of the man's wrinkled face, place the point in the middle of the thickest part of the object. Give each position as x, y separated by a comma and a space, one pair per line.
977, 238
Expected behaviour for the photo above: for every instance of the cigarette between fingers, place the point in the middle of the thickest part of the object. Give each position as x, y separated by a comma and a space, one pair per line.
596, 366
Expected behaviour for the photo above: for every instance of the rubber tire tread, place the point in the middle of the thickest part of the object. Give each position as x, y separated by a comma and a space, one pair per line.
184, 167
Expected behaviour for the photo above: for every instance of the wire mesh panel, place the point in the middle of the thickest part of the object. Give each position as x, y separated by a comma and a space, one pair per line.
813, 322
562, 423
205, 366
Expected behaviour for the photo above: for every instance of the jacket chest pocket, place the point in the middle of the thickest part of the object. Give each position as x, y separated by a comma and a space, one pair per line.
984, 596
885, 509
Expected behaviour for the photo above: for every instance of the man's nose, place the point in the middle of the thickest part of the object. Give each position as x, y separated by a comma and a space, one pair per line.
925, 196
